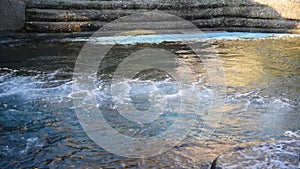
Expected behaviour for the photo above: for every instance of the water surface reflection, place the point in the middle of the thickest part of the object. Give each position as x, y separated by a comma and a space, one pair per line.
39, 128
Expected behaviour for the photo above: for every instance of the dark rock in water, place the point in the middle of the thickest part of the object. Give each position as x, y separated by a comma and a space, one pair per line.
152, 74
238, 148
12, 14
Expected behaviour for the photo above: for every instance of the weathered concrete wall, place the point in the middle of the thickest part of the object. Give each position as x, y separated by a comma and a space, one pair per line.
12, 14
228, 15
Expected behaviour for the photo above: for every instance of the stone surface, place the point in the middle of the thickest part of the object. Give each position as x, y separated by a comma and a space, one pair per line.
217, 24
125, 4
12, 14
289, 9
223, 15
54, 15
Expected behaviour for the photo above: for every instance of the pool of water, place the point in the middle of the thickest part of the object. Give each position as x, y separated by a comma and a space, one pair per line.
39, 126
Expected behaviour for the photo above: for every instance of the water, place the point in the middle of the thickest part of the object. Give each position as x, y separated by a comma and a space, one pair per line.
156, 38
39, 127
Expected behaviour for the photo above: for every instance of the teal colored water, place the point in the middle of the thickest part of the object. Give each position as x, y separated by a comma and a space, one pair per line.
39, 127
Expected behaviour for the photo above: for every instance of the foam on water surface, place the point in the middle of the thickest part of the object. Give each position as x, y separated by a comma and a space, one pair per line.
255, 109
284, 154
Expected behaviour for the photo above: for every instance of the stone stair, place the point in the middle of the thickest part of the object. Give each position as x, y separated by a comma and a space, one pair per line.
89, 15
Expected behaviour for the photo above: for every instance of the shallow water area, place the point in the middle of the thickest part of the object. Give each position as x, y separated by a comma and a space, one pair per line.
39, 126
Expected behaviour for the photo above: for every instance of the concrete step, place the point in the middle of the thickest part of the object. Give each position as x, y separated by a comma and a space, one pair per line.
90, 15
54, 15
135, 4
122, 26
221, 22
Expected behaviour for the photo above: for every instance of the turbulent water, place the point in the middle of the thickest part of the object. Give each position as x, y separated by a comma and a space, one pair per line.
259, 127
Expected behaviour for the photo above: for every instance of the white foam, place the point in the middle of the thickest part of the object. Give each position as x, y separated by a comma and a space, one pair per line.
280, 154
292, 134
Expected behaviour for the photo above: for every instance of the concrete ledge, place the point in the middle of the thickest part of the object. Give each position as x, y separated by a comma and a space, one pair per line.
63, 16
54, 15
235, 24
